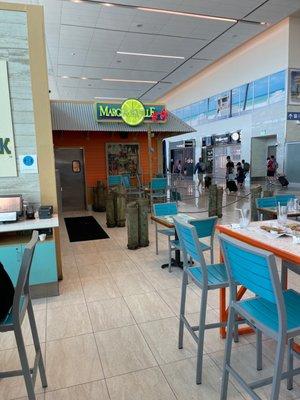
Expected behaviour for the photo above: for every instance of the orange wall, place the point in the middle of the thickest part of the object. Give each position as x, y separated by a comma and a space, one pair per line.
94, 150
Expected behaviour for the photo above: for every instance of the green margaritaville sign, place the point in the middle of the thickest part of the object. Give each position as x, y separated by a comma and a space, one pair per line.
132, 111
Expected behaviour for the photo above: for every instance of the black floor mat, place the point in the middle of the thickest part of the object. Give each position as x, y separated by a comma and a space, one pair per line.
84, 228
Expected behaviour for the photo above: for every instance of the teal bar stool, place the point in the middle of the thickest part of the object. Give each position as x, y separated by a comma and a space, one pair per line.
272, 311
13, 322
206, 277
159, 188
115, 180
283, 199
205, 228
164, 210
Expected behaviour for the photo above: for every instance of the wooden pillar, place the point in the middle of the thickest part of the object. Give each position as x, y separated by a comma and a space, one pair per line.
150, 152
150, 162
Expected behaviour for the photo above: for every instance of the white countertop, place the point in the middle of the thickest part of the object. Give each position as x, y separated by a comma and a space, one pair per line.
29, 224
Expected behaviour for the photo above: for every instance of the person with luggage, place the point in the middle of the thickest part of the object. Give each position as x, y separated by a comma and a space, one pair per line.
246, 167
230, 178
200, 169
240, 175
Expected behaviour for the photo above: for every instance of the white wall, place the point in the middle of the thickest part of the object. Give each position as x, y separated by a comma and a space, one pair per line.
263, 55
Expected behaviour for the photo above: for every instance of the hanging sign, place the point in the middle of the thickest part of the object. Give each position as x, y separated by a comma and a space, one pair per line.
8, 165
293, 116
132, 111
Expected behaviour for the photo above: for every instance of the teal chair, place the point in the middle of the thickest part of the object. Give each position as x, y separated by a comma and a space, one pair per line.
13, 323
283, 199
159, 187
115, 180
206, 277
205, 228
164, 210
272, 311
131, 190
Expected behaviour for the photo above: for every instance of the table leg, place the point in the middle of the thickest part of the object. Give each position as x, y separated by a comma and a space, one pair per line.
177, 261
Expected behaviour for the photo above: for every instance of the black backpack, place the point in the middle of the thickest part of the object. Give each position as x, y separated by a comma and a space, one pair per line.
7, 293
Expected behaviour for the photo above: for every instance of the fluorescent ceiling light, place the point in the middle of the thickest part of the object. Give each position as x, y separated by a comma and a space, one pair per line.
149, 55
64, 77
109, 98
84, 77
185, 14
127, 80
108, 4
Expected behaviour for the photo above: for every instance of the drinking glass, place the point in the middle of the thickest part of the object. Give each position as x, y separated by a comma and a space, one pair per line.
282, 215
245, 220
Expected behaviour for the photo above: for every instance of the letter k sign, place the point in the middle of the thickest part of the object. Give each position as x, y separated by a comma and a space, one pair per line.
4, 142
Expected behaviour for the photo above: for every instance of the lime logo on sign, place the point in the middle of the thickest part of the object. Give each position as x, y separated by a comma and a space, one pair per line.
133, 112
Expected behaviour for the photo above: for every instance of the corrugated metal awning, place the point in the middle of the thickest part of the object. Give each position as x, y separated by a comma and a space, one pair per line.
73, 116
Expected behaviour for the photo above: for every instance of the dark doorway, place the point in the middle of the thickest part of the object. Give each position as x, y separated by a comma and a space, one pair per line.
70, 164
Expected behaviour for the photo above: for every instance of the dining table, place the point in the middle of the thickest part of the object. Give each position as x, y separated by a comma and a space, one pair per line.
272, 211
282, 246
168, 222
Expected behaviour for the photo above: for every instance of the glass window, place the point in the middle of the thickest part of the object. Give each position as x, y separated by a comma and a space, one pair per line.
277, 87
260, 92
203, 108
223, 102
235, 101
248, 104
76, 166
212, 107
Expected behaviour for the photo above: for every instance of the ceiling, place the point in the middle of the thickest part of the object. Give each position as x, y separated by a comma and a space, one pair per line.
83, 36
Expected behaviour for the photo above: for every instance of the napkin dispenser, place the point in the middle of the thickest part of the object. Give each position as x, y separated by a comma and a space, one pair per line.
45, 212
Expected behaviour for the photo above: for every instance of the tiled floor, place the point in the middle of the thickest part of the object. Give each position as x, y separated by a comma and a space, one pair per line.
112, 333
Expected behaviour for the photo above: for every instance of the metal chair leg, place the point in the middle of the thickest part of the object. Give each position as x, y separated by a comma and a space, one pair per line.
290, 364
182, 308
37, 345
236, 325
156, 239
170, 254
24, 363
227, 356
200, 343
258, 350
278, 369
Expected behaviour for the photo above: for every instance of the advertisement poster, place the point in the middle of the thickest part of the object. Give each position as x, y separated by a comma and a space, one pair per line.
122, 158
8, 167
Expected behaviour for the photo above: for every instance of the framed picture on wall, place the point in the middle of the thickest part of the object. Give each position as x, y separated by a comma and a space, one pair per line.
294, 86
122, 158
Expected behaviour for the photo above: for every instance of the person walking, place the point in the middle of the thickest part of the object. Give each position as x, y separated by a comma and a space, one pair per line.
200, 169
230, 178
246, 167
240, 175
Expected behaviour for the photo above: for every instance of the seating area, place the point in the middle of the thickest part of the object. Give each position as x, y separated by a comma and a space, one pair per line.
149, 200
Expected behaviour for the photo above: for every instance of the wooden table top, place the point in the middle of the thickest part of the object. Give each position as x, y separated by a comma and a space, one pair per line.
283, 247
167, 220
273, 210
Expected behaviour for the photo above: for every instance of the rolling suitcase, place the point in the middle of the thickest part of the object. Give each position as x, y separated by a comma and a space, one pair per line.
283, 181
207, 182
231, 186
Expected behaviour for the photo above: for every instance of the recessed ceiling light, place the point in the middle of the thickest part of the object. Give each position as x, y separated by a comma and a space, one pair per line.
64, 77
185, 14
127, 80
127, 53
76, 1
84, 77
107, 4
